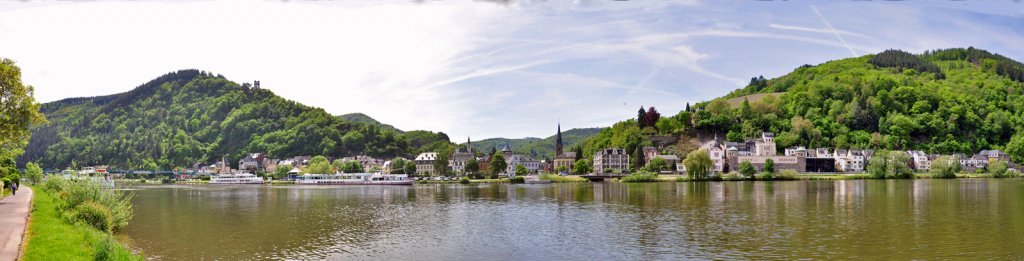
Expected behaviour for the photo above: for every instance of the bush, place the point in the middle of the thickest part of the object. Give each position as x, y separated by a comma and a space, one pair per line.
733, 176
95, 215
766, 176
641, 176
557, 178
787, 174
517, 179
73, 193
464, 180
747, 169
108, 249
945, 167
998, 169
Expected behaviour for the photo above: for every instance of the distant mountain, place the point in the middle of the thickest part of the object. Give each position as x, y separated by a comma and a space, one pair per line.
363, 118
189, 116
537, 147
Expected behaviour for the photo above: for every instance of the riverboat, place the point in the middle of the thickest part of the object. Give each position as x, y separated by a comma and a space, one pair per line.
354, 179
236, 178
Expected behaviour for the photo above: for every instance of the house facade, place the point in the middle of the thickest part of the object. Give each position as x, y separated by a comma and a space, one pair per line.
611, 160
425, 163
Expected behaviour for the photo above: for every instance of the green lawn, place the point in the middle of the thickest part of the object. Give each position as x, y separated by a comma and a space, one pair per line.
50, 237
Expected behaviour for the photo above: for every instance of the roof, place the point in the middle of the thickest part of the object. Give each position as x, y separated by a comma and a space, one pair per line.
427, 156
567, 155
506, 148
768, 134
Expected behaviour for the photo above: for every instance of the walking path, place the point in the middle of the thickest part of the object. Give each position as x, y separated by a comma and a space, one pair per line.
13, 218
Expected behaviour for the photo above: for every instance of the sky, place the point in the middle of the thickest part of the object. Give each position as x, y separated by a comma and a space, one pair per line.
479, 69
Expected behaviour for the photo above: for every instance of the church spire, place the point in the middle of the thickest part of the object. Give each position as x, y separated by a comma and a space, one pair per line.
558, 141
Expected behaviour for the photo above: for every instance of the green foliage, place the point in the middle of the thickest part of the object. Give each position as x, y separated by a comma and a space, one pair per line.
282, 171
190, 116
352, 166
19, 111
878, 164
33, 173
637, 160
472, 166
787, 174
769, 166
97, 201
641, 176
945, 167
582, 167
537, 147
441, 163
733, 176
658, 164
109, 249
498, 164
521, 170
766, 176
890, 165
747, 169
517, 179
95, 215
14, 178
318, 165
999, 169
698, 165
904, 60
464, 180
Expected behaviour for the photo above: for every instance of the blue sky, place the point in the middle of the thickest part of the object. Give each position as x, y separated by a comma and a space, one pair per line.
480, 69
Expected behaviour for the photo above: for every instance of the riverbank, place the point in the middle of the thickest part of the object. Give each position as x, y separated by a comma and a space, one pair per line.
14, 211
51, 237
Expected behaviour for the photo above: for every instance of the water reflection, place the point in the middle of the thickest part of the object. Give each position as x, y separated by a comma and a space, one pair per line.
855, 219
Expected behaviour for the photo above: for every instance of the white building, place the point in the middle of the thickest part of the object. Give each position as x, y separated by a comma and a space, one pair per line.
611, 160
920, 160
425, 163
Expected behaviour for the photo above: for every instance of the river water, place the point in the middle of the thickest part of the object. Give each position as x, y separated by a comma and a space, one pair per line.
855, 219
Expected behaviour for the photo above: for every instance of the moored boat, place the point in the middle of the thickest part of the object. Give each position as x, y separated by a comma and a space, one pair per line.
354, 179
236, 178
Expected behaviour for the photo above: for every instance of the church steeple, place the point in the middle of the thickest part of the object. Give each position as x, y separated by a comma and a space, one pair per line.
558, 141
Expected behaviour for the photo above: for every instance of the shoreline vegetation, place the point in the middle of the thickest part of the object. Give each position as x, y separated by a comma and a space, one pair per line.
77, 219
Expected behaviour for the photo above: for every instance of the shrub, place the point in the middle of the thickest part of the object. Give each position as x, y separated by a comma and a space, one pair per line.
95, 215
766, 176
108, 249
72, 193
733, 176
517, 179
641, 176
747, 169
787, 174
998, 169
945, 167
464, 180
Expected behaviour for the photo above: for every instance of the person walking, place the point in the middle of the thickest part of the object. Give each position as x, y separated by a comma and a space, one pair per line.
14, 188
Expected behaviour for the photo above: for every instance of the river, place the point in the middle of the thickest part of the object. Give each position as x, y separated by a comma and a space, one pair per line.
849, 219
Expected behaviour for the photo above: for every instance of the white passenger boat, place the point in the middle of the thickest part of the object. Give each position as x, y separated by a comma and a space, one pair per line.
236, 178
354, 179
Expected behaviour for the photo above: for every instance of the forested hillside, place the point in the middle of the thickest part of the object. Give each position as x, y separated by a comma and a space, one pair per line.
537, 147
943, 101
191, 116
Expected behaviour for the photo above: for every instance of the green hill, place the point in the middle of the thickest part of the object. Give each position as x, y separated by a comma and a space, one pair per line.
944, 101
363, 118
537, 147
190, 116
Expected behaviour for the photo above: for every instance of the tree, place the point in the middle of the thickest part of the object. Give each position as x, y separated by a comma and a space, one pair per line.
398, 166
410, 167
337, 165
582, 167
282, 171
877, 165
498, 165
441, 164
945, 167
769, 165
747, 169
641, 117
33, 173
698, 165
658, 164
521, 170
562, 169
579, 153
638, 158
897, 166
651, 117
472, 166
18, 108
352, 166
318, 165
998, 169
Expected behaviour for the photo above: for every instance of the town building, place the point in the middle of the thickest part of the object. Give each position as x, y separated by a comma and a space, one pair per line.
919, 160
252, 162
611, 160
512, 160
851, 160
562, 158
425, 163
459, 158
673, 161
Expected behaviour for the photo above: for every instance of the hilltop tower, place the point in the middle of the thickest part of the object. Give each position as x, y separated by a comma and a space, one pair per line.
558, 140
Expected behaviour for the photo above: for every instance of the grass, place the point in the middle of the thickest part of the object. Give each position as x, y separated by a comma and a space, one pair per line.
559, 179
641, 177
51, 237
